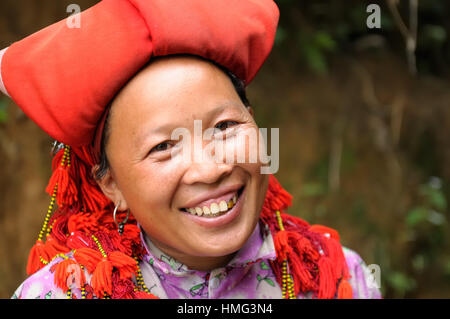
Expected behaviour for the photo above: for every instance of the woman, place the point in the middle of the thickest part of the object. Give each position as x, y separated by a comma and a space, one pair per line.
136, 217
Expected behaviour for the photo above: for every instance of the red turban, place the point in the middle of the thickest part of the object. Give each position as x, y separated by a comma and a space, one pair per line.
64, 78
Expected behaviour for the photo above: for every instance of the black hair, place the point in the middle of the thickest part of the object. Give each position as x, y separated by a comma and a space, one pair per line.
103, 165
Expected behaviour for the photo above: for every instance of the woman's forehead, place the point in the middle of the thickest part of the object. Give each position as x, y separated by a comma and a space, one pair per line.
174, 90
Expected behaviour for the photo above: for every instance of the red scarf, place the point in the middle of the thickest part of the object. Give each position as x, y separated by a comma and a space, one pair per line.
309, 258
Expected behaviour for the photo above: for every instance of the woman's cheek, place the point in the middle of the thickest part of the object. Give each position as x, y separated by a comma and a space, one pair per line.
149, 187
245, 146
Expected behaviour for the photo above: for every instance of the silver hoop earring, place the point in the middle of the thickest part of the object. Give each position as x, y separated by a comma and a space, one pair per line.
120, 225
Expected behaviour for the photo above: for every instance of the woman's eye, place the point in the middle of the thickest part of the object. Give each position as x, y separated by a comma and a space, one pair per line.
225, 124
160, 147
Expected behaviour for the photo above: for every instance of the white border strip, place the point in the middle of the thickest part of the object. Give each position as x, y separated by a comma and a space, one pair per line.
2, 86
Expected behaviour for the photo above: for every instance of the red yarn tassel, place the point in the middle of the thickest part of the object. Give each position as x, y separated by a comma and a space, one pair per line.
334, 250
59, 177
101, 280
327, 283
52, 247
34, 258
87, 257
68, 272
345, 290
282, 246
123, 263
325, 230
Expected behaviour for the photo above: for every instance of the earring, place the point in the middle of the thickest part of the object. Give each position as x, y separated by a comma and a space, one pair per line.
120, 225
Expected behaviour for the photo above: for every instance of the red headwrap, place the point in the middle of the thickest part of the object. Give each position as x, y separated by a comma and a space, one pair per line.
63, 78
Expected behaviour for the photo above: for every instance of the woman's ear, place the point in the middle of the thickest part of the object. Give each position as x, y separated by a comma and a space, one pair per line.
109, 187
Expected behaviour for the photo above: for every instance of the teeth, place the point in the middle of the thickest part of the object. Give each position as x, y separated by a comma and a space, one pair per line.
214, 208
199, 211
206, 210
223, 206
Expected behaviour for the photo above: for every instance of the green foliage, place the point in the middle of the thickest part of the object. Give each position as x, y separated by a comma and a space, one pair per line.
317, 30
400, 282
3, 110
314, 47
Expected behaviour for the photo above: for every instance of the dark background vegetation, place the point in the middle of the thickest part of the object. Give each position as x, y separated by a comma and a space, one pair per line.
363, 121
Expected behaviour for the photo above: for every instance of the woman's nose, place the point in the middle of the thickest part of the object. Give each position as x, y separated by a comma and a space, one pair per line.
207, 171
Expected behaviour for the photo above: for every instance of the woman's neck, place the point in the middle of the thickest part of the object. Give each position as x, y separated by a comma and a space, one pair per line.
200, 263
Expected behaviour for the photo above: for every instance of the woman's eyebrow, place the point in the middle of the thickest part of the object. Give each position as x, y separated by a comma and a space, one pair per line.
168, 127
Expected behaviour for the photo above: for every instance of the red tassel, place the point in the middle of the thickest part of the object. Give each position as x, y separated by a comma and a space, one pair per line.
82, 221
91, 196
101, 280
68, 272
34, 258
123, 263
88, 257
282, 247
327, 283
52, 247
334, 250
325, 230
67, 189
345, 290
277, 198
59, 177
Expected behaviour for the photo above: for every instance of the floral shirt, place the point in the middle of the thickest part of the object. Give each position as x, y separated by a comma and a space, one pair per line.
248, 275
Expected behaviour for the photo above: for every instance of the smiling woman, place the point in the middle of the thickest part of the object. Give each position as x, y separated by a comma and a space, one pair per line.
135, 218
157, 186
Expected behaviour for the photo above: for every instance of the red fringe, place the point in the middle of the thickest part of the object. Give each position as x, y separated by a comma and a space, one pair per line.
123, 263
65, 269
345, 290
52, 247
34, 258
101, 280
67, 190
300, 244
327, 283
88, 257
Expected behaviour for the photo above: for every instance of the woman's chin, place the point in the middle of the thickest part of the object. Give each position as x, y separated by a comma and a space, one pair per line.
224, 244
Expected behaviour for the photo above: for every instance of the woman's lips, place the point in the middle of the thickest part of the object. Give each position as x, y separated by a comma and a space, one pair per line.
222, 218
216, 195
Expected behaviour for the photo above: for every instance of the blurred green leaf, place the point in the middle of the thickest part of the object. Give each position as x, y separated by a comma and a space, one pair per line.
418, 262
416, 216
401, 282
434, 197
436, 33
315, 58
280, 36
3, 110
324, 41
313, 189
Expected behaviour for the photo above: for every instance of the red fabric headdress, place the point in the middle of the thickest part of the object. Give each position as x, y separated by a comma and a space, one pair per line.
63, 78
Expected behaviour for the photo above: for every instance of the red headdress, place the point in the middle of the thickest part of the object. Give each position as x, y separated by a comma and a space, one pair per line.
64, 78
